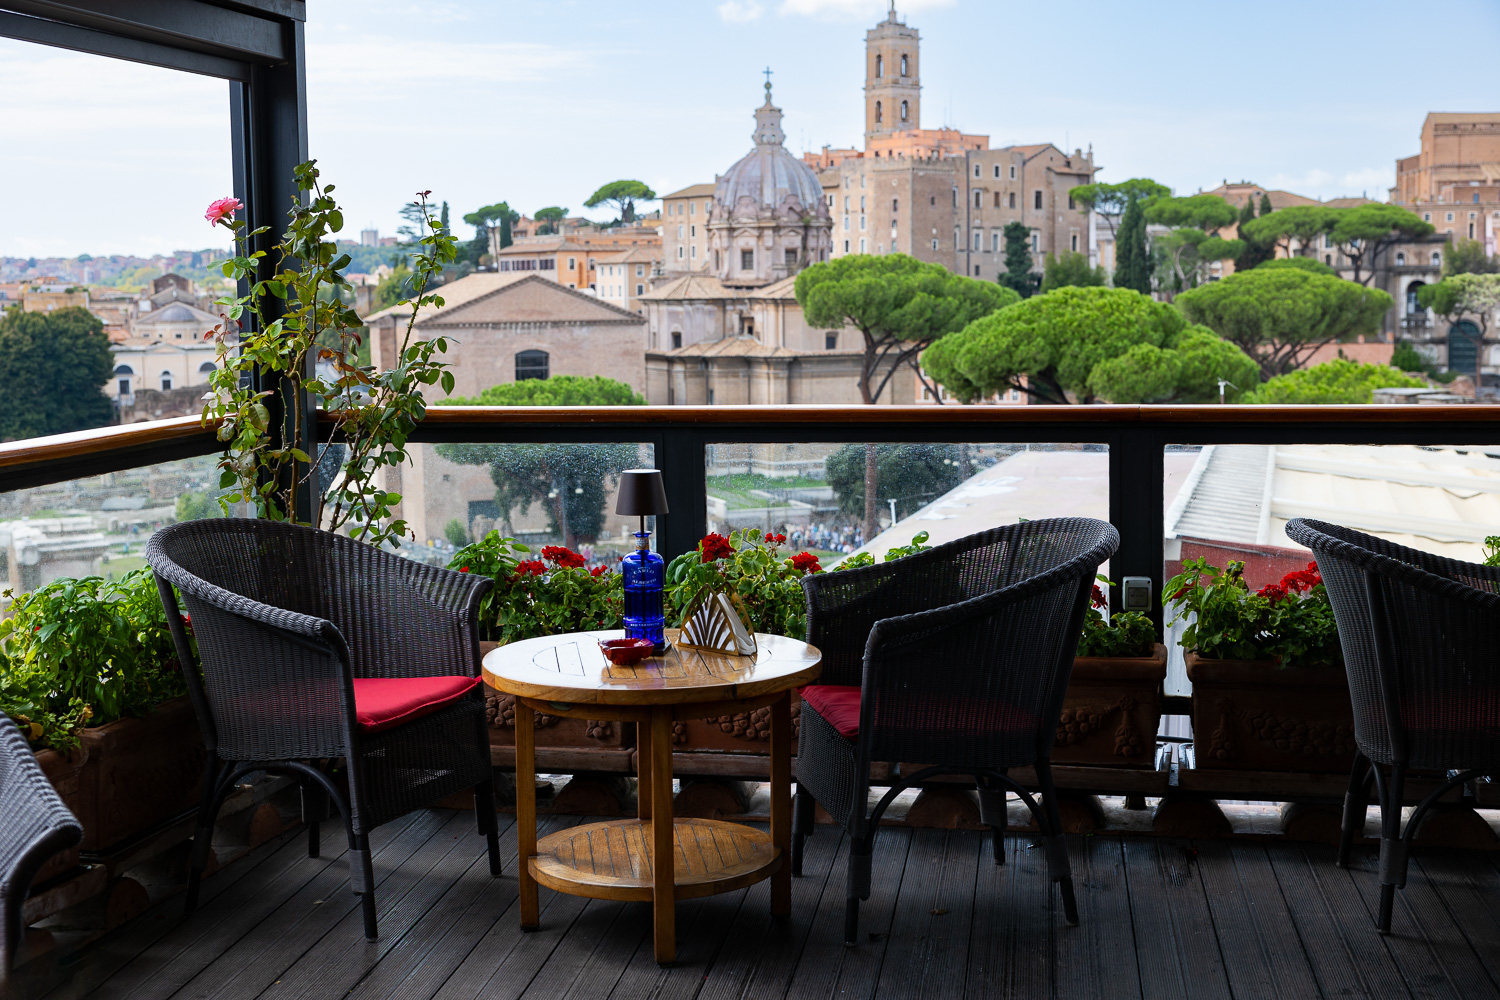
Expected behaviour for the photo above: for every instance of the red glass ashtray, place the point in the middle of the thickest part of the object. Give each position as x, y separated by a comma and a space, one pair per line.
626, 651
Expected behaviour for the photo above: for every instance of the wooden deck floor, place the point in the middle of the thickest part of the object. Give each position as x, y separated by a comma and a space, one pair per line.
1160, 918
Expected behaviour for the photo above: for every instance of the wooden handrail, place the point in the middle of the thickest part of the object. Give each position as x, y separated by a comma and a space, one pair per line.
99, 440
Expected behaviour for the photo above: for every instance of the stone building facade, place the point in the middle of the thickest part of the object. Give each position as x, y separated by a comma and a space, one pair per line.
684, 228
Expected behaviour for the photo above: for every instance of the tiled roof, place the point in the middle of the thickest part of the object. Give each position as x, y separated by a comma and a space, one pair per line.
456, 293
693, 191
731, 347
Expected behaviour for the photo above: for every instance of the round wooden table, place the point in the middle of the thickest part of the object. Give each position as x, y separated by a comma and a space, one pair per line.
568, 675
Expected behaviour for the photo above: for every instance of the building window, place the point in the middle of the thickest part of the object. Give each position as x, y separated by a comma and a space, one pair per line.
1426, 216
1328, 259
1013, 174
706, 205
1471, 233
1449, 217
903, 113
1327, 241
976, 171
997, 177
976, 270
978, 199
640, 270
572, 264
903, 67
846, 223
693, 232
791, 258
958, 238
994, 241
895, 204
955, 197
830, 341
934, 244
879, 113
679, 253
1400, 259
531, 364
747, 260
1071, 206
640, 289
846, 246
1437, 259
862, 247
693, 252
1037, 200
551, 265
978, 240
1074, 241
997, 199
692, 208
879, 66
861, 222
206, 368
124, 386
166, 381
1036, 241
676, 339
1012, 199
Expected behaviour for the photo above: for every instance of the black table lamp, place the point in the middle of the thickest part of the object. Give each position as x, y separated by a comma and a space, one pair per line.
641, 495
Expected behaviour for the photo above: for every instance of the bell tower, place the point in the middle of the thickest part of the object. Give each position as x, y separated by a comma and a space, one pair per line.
893, 92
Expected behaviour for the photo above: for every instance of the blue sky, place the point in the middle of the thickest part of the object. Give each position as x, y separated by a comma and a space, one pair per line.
538, 103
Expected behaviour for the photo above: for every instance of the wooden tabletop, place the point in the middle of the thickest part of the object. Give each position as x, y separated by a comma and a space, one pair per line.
571, 668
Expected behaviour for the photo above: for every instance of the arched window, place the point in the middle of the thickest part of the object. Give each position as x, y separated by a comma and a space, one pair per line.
676, 338
206, 368
531, 364
1437, 259
1400, 259
166, 381
903, 67
879, 113
124, 370
903, 111
1413, 307
879, 67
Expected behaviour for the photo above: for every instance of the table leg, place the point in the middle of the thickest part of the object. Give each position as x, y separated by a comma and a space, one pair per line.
781, 803
526, 813
663, 836
643, 790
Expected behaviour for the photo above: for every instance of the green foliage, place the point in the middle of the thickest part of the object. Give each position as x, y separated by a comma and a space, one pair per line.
78, 652
1205, 212
1132, 258
549, 218
53, 367
1309, 264
570, 479
1336, 381
456, 534
1070, 269
899, 304
1364, 232
623, 195
499, 216
1265, 204
1405, 358
1183, 256
1018, 276
1469, 257
751, 565
1280, 316
918, 544
1492, 550
1290, 622
1254, 252
913, 474
1112, 199
194, 506
1302, 223
1060, 343
1124, 633
295, 321
394, 287
534, 597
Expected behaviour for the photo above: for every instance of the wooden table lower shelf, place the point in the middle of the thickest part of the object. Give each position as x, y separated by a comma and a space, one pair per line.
614, 859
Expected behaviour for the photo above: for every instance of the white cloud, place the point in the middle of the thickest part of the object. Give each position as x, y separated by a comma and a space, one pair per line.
740, 11
850, 10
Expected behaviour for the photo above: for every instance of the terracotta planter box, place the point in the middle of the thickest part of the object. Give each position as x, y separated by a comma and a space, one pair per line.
1112, 711
66, 772
551, 730
1256, 716
139, 773
743, 732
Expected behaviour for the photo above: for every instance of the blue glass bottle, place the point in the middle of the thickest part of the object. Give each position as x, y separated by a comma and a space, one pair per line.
644, 572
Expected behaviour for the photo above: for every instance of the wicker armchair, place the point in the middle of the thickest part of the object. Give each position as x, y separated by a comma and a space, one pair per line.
34, 826
957, 658
1419, 634
318, 650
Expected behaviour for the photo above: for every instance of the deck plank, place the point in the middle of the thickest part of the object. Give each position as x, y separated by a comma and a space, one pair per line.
1470, 888
1015, 920
1340, 967
1178, 952
1097, 958
828, 968
1264, 956
929, 937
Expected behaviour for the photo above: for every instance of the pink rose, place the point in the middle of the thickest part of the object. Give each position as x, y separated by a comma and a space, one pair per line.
222, 209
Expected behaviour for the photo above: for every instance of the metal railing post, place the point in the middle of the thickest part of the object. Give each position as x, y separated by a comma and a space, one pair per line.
1135, 509
680, 457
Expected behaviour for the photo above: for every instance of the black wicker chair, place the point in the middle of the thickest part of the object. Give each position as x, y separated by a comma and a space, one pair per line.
34, 826
1419, 634
318, 650
956, 658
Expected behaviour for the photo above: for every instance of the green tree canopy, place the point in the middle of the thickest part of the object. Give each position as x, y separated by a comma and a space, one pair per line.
1191, 245
550, 217
53, 367
1111, 200
1280, 316
1469, 257
623, 195
1466, 301
1205, 212
1253, 252
1071, 268
1364, 232
1018, 276
1337, 381
1078, 342
571, 480
495, 222
1309, 264
911, 474
1132, 257
1300, 223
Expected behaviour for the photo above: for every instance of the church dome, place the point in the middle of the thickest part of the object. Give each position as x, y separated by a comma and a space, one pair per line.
768, 179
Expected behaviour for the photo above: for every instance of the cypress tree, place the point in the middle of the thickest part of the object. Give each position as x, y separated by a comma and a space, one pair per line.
443, 222
1248, 212
1132, 257
1254, 253
1017, 274
1265, 204
505, 237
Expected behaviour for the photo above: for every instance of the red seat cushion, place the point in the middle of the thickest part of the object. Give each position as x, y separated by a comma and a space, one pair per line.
838, 704
382, 703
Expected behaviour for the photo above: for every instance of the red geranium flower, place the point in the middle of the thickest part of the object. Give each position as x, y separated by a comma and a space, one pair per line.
1302, 579
806, 562
463, 569
774, 539
531, 567
1097, 598
1274, 591
598, 571
187, 622
715, 546
560, 556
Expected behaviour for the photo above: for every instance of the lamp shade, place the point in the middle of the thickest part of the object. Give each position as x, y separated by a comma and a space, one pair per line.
641, 493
